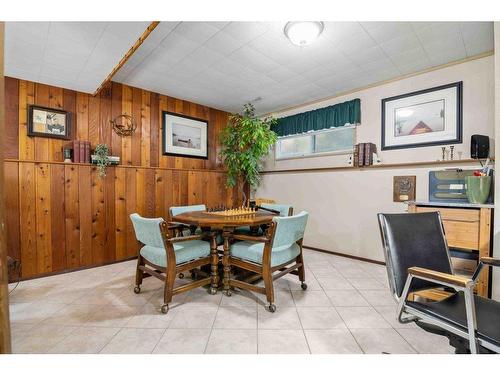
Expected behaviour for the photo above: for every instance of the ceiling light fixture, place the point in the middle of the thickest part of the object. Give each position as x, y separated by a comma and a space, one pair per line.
303, 33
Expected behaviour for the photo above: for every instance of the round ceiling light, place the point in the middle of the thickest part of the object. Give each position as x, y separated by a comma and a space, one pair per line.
303, 33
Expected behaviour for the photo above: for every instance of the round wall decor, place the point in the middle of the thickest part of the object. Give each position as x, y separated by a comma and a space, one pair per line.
124, 125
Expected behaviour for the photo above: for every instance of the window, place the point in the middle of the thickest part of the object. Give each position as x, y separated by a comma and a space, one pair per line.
337, 140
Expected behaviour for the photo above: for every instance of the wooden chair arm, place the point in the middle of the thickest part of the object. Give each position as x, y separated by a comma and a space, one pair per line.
173, 225
440, 277
187, 238
490, 261
243, 237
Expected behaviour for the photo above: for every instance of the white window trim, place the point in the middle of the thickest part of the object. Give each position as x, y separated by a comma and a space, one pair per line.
319, 154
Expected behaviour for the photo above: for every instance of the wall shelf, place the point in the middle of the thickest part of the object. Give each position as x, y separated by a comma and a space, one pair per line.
378, 166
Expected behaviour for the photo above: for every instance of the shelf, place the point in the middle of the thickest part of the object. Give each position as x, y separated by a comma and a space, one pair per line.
115, 165
375, 166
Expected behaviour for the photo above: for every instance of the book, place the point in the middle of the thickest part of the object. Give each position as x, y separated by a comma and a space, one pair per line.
370, 149
361, 155
87, 152
76, 151
355, 161
82, 151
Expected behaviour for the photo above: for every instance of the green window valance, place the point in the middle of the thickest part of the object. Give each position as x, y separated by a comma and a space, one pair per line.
318, 119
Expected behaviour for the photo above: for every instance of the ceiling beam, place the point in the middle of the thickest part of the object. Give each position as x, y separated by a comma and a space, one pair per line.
129, 54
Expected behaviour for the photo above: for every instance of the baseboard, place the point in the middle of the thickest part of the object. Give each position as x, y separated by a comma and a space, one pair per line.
344, 255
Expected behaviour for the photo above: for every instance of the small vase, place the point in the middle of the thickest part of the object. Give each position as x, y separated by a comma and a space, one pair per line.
478, 188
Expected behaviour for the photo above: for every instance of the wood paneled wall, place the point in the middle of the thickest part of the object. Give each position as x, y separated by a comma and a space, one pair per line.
63, 216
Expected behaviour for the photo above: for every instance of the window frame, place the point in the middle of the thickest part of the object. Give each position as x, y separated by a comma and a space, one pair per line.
312, 134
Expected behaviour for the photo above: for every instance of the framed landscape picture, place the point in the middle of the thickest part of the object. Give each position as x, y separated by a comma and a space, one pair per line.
48, 122
423, 118
184, 136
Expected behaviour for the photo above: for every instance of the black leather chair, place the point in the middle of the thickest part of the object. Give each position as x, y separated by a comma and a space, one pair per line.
417, 257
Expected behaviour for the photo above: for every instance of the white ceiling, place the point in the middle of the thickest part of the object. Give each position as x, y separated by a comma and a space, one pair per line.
227, 64
75, 55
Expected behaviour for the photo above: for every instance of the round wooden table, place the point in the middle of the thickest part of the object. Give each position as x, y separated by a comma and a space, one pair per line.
216, 224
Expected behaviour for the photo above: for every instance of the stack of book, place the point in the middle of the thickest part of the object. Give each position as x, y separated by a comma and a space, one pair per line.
80, 151
113, 160
363, 154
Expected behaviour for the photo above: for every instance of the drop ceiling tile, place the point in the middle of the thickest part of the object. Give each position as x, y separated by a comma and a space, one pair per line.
368, 55
400, 44
84, 34
441, 30
355, 43
447, 56
338, 32
254, 59
409, 57
415, 66
384, 31
223, 43
205, 56
244, 31
177, 46
198, 32
280, 73
161, 31
477, 36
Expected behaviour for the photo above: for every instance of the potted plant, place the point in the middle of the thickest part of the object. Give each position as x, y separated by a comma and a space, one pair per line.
102, 159
245, 141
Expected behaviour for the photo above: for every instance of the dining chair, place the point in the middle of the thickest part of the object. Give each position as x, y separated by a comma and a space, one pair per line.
183, 229
417, 257
164, 256
271, 256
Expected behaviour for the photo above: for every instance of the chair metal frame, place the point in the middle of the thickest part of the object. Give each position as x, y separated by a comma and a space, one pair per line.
167, 274
407, 314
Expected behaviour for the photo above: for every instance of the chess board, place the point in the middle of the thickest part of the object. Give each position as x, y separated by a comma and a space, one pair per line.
245, 211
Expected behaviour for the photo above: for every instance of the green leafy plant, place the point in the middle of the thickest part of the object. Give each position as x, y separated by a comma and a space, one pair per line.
102, 154
245, 141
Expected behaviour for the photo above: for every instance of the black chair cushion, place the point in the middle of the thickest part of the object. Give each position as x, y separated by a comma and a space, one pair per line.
452, 310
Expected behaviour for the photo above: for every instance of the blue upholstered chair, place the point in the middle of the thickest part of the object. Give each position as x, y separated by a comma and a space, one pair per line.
163, 256
183, 229
273, 255
284, 210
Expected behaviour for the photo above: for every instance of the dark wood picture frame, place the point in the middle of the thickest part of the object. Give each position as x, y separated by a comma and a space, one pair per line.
33, 133
459, 117
164, 135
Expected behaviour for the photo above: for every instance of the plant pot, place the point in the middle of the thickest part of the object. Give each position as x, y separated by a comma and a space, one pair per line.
478, 188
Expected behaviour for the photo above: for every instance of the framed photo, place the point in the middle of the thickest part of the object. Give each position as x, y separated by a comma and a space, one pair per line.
48, 122
404, 188
184, 136
423, 118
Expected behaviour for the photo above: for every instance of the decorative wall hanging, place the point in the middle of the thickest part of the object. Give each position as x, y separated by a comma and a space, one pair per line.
124, 125
404, 188
423, 118
184, 136
48, 122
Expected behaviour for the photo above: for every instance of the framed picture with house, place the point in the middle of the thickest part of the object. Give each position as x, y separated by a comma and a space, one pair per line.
184, 136
48, 122
423, 118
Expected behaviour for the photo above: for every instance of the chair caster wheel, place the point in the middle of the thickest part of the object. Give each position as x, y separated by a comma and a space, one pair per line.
193, 276
272, 307
181, 275
303, 286
164, 309
137, 289
212, 291
228, 293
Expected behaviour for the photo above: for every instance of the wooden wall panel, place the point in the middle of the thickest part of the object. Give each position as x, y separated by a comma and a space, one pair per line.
63, 216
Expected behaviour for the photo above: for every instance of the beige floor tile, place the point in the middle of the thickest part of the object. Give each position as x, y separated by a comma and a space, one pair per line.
183, 341
100, 297
72, 315
282, 298
334, 283
312, 283
200, 296
194, 316
42, 338
150, 316
111, 316
367, 284
346, 298
282, 342
232, 341
239, 297
34, 312
426, 342
320, 318
310, 298
64, 296
332, 341
362, 317
85, 340
379, 297
381, 340
389, 314
134, 341
326, 271
236, 317
18, 331
283, 318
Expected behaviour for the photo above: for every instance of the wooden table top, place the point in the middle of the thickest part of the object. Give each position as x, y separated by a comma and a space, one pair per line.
206, 219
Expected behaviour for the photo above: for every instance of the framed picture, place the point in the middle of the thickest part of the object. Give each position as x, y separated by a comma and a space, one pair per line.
48, 122
423, 118
404, 188
184, 136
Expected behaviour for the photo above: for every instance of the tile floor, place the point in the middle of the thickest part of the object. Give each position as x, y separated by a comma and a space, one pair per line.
346, 309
